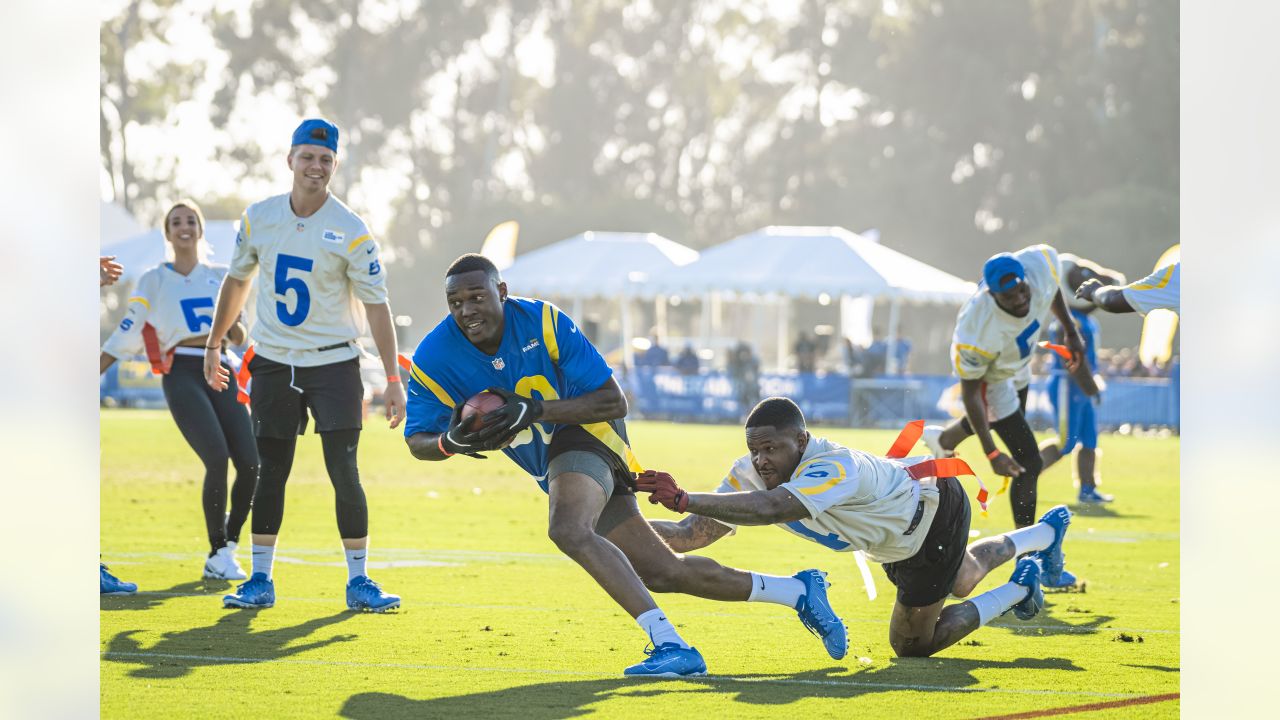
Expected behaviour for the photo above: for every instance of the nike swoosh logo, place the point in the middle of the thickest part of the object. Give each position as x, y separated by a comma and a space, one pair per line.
369, 251
360, 558
352, 448
761, 583
523, 409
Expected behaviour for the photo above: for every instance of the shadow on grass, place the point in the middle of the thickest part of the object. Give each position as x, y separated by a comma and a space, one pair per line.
177, 653
568, 699
149, 599
1096, 510
1046, 624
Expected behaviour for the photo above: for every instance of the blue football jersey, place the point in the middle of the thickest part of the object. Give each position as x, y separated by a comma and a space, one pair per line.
1089, 333
542, 352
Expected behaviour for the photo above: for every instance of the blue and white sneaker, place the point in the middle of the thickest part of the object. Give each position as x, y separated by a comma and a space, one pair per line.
669, 660
112, 585
259, 591
365, 594
1091, 496
815, 612
1052, 558
1027, 574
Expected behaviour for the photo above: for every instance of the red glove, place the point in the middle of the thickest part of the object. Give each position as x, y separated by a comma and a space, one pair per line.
664, 490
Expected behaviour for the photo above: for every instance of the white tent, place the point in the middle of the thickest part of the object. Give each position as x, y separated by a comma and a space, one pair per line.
809, 262
116, 223
615, 265
144, 251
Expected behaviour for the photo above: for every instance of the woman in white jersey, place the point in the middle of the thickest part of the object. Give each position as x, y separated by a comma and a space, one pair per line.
169, 316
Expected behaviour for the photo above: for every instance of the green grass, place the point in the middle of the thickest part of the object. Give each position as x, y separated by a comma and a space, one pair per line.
496, 623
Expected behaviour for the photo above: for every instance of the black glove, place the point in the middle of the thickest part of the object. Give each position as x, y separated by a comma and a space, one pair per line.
457, 441
519, 413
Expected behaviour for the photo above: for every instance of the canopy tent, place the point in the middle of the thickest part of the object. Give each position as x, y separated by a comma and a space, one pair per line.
616, 265
810, 262
115, 223
142, 252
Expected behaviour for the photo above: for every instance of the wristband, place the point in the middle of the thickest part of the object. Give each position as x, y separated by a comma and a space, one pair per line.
992, 455
393, 378
440, 444
213, 347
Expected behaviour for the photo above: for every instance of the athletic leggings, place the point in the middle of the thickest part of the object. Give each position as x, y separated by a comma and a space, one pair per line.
339, 459
1021, 441
217, 428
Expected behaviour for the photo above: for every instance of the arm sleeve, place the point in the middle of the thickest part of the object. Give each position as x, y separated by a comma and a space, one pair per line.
583, 366
244, 260
364, 268
127, 338
823, 483
428, 407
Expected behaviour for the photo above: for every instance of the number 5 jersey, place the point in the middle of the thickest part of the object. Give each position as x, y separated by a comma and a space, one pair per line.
314, 272
178, 307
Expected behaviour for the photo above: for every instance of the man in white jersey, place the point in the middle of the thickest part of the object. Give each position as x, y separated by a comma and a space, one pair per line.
996, 332
1159, 290
318, 264
891, 509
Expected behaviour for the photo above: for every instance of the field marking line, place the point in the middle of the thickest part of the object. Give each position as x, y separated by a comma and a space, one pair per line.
581, 673
1145, 700
1065, 629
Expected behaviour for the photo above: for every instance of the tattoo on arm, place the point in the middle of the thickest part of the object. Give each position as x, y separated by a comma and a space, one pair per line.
692, 533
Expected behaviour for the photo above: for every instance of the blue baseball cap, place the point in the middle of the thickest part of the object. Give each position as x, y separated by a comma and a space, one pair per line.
997, 271
317, 131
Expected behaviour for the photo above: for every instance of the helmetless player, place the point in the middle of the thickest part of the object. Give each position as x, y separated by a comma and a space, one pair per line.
562, 423
318, 263
894, 509
996, 331
168, 316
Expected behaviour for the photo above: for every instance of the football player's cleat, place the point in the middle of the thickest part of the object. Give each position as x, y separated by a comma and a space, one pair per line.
259, 591
222, 564
365, 594
932, 438
112, 585
1091, 496
1027, 574
1052, 558
815, 612
669, 660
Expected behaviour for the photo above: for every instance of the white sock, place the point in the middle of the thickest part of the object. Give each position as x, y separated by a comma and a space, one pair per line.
993, 603
264, 557
659, 628
355, 562
772, 588
1031, 538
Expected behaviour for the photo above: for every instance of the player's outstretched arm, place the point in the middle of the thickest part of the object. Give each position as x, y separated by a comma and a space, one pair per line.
1108, 298
758, 507
691, 533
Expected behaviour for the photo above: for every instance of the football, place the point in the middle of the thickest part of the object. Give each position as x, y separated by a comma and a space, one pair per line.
477, 406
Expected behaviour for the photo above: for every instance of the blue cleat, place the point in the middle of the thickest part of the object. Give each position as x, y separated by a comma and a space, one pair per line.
1091, 496
1052, 558
365, 594
112, 585
259, 591
669, 660
815, 612
1027, 574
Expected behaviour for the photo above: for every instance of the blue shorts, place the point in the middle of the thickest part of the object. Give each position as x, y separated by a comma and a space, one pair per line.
1079, 426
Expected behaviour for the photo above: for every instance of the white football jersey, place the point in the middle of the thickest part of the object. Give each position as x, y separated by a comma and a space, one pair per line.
856, 501
1160, 289
315, 272
992, 345
177, 306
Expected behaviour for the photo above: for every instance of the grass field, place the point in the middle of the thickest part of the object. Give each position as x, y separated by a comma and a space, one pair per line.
496, 623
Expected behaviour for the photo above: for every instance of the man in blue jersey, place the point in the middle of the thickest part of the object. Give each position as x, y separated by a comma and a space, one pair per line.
562, 424
1075, 411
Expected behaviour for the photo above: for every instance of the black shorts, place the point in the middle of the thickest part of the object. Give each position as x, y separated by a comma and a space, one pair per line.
333, 392
573, 437
928, 576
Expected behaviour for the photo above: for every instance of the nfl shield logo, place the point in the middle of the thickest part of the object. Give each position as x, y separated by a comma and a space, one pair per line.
301, 227
498, 364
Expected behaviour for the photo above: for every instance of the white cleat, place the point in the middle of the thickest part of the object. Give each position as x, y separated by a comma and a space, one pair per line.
933, 440
223, 566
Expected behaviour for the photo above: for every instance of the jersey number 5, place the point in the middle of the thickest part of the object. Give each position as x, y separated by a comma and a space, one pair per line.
284, 283
195, 321
1024, 338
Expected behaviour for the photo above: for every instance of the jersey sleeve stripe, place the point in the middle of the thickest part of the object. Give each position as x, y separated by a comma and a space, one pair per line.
356, 243
980, 351
549, 333
139, 299
425, 381
1053, 267
1164, 280
819, 489
244, 221
733, 481
605, 433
